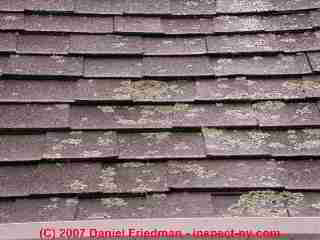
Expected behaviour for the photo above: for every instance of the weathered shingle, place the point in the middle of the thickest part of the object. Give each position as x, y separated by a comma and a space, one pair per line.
11, 21
308, 206
44, 65
36, 91
79, 144
34, 116
3, 63
150, 145
117, 117
193, 7
49, 5
43, 44
261, 65
311, 86
177, 26
287, 5
288, 22
100, 6
233, 24
148, 7
137, 24
21, 147
176, 66
113, 67
105, 44
314, 58
12, 6
174, 46
8, 42
298, 42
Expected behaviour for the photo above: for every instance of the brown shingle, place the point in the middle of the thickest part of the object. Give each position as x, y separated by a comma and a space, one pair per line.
100, 6
177, 26
21, 147
150, 145
49, 5
148, 7
8, 42
45, 65
11, 21
113, 67
43, 44
193, 7
78, 144
129, 24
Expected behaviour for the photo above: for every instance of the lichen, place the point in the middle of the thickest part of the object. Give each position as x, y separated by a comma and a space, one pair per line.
193, 168
106, 109
108, 179
113, 202
269, 106
78, 185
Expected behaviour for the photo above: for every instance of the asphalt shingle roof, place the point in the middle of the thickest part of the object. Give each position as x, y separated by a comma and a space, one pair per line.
172, 108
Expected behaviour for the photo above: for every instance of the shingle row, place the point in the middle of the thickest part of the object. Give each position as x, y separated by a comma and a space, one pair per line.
160, 144
158, 25
169, 7
138, 177
138, 67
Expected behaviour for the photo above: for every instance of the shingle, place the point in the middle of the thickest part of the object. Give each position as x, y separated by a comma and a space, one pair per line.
314, 58
307, 207
15, 181
21, 147
231, 24
193, 7
222, 142
133, 177
113, 67
299, 42
43, 44
288, 22
287, 5
176, 66
36, 91
100, 6
45, 65
117, 117
180, 205
6, 208
216, 174
243, 44
151, 145
148, 7
56, 178
174, 46
42, 209
315, 16
37, 116
113, 207
302, 174
105, 44
259, 66
281, 114
249, 89
243, 6
8, 42
11, 21
3, 63
103, 89
130, 24
49, 5
311, 86
78, 144
221, 204
59, 23
12, 6
162, 91
214, 115
177, 26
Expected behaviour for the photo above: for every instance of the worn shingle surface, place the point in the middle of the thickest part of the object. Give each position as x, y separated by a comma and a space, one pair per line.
148, 109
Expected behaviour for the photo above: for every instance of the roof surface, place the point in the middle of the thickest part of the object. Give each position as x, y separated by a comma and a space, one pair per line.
150, 109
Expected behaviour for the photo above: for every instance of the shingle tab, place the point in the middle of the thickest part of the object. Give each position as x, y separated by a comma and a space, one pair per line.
174, 46
249, 89
162, 91
243, 6
21, 147
243, 43
28, 116
133, 177
161, 145
45, 65
100, 6
307, 207
49, 5
36, 91
3, 63
216, 174
12, 6
103, 89
288, 22
281, 114
11, 21
117, 117
56, 178
148, 7
78, 144
214, 115
105, 44
43, 44
231, 24
259, 66
177, 26
130, 24
311, 86
314, 58
299, 42
59, 23
113, 67
177, 66
287, 5
8, 42
193, 7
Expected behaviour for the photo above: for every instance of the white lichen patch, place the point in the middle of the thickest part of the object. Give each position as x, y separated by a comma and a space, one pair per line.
71, 202
316, 205
191, 168
269, 106
106, 109
157, 137
72, 141
113, 202
159, 197
132, 165
213, 132
93, 153
181, 146
78, 185
108, 179
304, 110
242, 114
106, 139
149, 89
